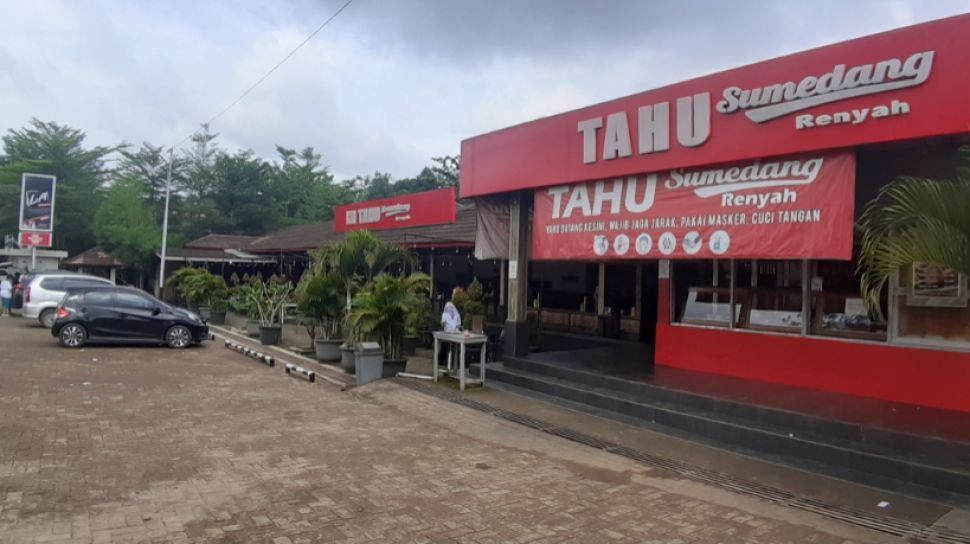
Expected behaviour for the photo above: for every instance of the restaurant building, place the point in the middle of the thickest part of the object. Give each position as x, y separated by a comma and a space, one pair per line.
715, 218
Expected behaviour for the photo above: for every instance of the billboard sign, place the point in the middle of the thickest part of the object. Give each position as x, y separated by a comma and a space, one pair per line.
904, 84
428, 208
780, 208
37, 202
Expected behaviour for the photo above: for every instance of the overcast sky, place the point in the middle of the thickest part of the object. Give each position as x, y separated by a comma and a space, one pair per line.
390, 83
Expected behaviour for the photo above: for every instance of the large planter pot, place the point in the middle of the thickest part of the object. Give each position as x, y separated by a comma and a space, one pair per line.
270, 336
393, 366
252, 329
205, 312
217, 318
327, 350
347, 359
409, 344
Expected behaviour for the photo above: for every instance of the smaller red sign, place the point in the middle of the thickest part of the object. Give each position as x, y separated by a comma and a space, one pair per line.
428, 208
35, 239
798, 207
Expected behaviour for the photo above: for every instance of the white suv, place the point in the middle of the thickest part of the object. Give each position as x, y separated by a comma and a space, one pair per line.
45, 291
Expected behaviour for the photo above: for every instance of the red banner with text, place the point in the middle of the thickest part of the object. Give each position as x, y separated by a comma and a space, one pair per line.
428, 208
782, 208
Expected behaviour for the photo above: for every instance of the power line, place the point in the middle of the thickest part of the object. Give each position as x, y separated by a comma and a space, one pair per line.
269, 73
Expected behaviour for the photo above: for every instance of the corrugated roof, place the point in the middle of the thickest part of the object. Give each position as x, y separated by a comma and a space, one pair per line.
95, 257
221, 241
303, 238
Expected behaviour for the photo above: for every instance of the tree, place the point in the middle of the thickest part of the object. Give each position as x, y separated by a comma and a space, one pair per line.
303, 188
150, 165
241, 195
49, 148
914, 220
195, 210
125, 224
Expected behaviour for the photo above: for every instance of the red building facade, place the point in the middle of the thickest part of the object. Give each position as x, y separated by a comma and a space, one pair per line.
744, 186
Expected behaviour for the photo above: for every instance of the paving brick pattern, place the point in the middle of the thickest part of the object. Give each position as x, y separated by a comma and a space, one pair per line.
121, 445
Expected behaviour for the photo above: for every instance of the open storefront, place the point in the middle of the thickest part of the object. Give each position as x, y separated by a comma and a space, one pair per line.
725, 207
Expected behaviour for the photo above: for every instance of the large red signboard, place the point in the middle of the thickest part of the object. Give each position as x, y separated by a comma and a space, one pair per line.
427, 208
791, 207
905, 84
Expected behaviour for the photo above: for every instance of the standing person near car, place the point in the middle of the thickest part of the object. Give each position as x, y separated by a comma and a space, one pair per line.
6, 294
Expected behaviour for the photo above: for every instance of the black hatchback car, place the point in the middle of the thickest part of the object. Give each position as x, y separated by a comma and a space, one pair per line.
123, 315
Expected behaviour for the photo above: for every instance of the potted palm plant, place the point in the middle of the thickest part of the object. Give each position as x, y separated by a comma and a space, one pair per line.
320, 300
355, 261
381, 311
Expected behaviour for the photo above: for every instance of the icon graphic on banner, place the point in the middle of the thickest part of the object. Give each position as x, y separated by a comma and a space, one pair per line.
644, 243
621, 244
600, 244
720, 242
667, 243
693, 242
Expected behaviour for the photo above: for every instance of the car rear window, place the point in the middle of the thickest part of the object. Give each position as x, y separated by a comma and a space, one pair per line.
98, 298
72, 301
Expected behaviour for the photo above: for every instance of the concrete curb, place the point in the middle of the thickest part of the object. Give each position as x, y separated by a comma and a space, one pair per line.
337, 376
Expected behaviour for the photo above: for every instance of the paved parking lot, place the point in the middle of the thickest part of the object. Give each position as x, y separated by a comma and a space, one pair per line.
203, 445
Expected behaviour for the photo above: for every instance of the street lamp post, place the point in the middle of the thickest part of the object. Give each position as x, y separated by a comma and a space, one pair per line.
168, 191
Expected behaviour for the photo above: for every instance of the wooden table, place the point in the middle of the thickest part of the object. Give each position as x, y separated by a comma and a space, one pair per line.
462, 339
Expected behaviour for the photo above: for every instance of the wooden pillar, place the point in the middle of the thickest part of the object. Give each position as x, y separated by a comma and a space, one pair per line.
502, 284
638, 301
431, 272
601, 290
516, 325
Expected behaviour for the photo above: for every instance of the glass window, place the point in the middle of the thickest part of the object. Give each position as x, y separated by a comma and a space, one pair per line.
98, 298
52, 284
133, 301
770, 294
931, 306
837, 305
702, 293
757, 295
82, 282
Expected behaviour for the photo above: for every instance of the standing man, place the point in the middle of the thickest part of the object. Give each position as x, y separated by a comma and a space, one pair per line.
6, 294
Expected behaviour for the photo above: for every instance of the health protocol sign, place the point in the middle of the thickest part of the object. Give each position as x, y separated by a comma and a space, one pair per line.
37, 202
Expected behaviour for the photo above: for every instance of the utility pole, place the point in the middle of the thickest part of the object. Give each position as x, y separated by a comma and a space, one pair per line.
168, 192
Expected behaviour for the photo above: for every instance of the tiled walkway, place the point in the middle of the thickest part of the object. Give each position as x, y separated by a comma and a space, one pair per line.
204, 445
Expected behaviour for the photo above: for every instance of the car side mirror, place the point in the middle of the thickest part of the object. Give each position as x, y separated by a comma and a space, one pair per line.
156, 310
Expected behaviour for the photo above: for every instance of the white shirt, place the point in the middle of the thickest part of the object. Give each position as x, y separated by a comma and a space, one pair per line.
5, 288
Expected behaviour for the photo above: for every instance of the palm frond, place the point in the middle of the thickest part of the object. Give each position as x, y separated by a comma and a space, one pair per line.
913, 220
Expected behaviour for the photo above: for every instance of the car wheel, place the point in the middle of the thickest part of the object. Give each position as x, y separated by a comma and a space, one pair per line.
46, 318
178, 337
72, 335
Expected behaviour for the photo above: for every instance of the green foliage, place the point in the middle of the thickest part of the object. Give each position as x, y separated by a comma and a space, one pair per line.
422, 319
320, 298
266, 300
125, 225
382, 309
357, 259
914, 220
200, 287
475, 291
50, 148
